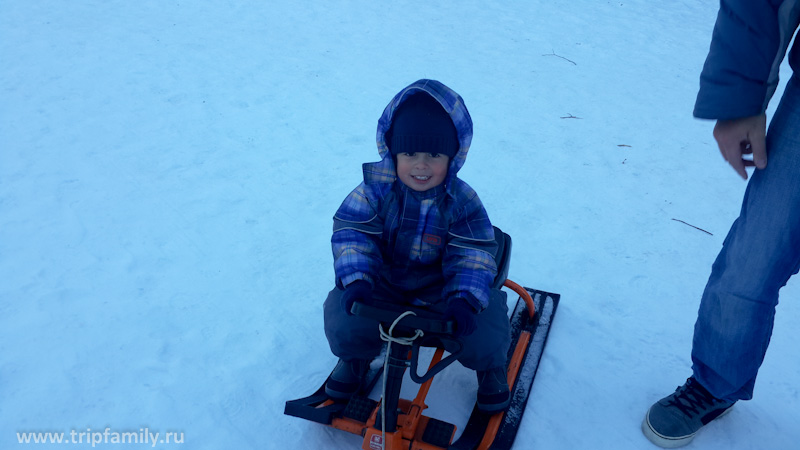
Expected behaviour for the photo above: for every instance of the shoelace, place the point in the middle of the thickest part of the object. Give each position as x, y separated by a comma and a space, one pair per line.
691, 397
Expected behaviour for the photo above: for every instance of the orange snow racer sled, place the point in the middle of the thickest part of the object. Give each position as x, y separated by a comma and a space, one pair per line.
393, 423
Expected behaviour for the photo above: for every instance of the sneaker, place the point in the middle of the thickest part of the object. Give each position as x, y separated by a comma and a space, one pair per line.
674, 420
346, 379
493, 393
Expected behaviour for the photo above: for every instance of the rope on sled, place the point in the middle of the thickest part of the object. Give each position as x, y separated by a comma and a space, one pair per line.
389, 339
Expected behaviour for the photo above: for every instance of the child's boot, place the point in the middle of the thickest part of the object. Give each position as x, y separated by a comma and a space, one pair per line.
346, 379
493, 393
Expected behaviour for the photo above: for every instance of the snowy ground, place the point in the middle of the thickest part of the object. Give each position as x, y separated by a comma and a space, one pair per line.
169, 170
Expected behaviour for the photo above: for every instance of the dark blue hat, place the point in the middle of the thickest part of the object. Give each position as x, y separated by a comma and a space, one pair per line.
420, 124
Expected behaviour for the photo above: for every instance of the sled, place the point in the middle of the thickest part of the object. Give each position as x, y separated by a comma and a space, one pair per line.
393, 423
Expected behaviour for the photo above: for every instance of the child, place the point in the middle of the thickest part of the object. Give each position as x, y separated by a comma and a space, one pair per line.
413, 232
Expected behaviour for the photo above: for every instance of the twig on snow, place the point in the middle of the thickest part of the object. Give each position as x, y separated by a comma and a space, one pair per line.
559, 56
696, 228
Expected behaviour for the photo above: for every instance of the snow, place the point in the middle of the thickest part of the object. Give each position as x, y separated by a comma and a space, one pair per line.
169, 170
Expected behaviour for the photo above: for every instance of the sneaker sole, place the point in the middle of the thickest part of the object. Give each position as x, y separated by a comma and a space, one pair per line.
670, 441
336, 395
493, 408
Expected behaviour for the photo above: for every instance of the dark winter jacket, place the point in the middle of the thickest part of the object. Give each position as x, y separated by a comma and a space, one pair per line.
440, 240
749, 42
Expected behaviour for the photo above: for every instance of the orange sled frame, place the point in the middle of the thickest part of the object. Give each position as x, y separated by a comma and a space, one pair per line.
406, 427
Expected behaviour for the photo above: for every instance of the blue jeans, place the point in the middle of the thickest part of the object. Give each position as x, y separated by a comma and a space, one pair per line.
759, 255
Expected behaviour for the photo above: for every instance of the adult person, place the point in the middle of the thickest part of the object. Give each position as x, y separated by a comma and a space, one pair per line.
762, 249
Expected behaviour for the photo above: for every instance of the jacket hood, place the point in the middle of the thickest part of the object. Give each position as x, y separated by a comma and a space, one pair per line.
384, 170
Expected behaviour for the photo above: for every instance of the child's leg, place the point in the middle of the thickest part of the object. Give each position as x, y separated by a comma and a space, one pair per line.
350, 337
487, 347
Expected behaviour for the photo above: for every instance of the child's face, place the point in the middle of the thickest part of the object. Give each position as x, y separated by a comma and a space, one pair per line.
422, 171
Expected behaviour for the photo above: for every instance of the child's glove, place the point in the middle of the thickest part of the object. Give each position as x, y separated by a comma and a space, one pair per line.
462, 313
357, 290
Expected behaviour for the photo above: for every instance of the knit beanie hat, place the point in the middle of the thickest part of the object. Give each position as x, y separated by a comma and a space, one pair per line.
420, 124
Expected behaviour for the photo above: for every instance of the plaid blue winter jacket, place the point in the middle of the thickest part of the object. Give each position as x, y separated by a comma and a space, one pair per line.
412, 241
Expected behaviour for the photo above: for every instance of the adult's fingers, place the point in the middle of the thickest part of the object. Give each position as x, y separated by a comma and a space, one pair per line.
732, 152
739, 137
758, 145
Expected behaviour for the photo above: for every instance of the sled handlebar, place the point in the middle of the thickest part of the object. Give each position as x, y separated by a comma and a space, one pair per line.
437, 332
425, 320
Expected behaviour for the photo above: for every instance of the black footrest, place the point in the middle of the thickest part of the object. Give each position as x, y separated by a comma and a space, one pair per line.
438, 433
359, 408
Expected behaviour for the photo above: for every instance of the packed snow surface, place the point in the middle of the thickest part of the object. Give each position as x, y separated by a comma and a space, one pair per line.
169, 171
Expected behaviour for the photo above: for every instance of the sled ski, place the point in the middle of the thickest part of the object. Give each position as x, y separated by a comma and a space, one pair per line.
528, 335
404, 426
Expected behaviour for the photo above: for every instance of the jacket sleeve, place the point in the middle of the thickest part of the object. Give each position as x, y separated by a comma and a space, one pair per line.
357, 231
469, 266
749, 42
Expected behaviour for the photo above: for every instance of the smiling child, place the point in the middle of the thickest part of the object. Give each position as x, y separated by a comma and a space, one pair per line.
414, 233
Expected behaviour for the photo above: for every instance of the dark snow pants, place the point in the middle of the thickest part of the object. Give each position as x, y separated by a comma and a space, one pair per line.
352, 337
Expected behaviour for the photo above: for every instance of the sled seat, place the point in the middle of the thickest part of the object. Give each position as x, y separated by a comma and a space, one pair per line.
502, 257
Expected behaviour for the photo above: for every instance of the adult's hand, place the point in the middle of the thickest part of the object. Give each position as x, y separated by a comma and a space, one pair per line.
739, 137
